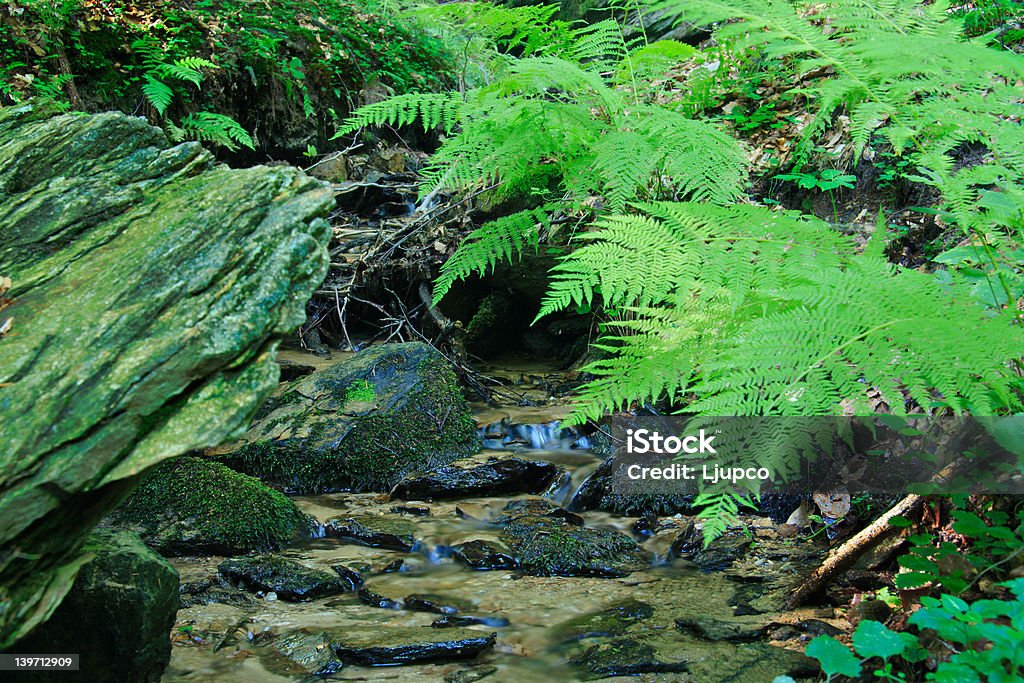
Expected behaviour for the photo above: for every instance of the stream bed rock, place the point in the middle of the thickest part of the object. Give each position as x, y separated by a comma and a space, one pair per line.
151, 288
117, 615
375, 531
361, 425
288, 579
193, 506
408, 645
466, 478
547, 546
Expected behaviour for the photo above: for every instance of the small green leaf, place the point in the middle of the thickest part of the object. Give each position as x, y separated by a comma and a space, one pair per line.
834, 657
873, 639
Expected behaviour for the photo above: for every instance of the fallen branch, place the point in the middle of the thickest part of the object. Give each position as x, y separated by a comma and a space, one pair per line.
846, 554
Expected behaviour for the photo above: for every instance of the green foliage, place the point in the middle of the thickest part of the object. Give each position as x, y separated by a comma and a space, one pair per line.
283, 63
763, 312
984, 641
996, 537
553, 124
826, 180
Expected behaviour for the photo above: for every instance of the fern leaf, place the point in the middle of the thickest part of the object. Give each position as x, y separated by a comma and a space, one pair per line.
158, 94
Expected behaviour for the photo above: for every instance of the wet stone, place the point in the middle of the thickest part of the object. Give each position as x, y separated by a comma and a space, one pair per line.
613, 620
349, 577
484, 555
470, 675
308, 652
718, 555
289, 580
623, 657
438, 604
714, 628
535, 507
462, 479
374, 531
545, 546
389, 646
368, 597
412, 510
817, 627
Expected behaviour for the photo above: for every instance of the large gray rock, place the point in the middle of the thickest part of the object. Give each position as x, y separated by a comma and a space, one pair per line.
150, 289
118, 615
363, 424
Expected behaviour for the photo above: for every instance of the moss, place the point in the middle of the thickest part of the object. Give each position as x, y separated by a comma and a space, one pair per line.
550, 547
196, 505
419, 420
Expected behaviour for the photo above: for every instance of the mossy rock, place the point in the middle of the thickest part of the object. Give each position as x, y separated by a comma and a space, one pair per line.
613, 620
118, 615
360, 425
290, 580
545, 546
194, 506
151, 288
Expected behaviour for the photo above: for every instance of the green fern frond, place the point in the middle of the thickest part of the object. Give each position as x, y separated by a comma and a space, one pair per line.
158, 94
218, 129
433, 110
503, 239
780, 316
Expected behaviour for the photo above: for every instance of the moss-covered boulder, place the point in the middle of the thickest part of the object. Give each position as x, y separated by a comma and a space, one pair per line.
150, 290
117, 616
290, 580
194, 506
546, 546
362, 425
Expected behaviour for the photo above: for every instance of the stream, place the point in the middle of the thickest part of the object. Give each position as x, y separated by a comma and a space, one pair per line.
531, 616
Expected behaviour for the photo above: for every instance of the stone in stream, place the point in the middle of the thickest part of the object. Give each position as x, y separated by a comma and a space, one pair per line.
535, 507
194, 506
349, 577
484, 555
623, 657
718, 555
470, 477
288, 579
470, 675
305, 651
612, 620
151, 287
394, 645
735, 630
599, 492
360, 425
544, 546
438, 604
117, 616
375, 531
368, 597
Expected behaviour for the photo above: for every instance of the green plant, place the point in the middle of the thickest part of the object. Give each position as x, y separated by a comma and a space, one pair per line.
757, 312
554, 127
824, 181
983, 640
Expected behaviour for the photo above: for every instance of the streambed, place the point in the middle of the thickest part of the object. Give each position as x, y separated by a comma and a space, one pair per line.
666, 622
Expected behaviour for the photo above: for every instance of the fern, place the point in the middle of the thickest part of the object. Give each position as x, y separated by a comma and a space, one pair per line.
770, 313
218, 129
439, 110
503, 239
158, 94
891, 61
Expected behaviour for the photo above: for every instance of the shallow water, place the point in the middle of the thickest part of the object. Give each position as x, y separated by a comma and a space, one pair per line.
217, 643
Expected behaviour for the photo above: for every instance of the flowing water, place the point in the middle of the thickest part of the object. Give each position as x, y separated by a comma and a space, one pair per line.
218, 642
